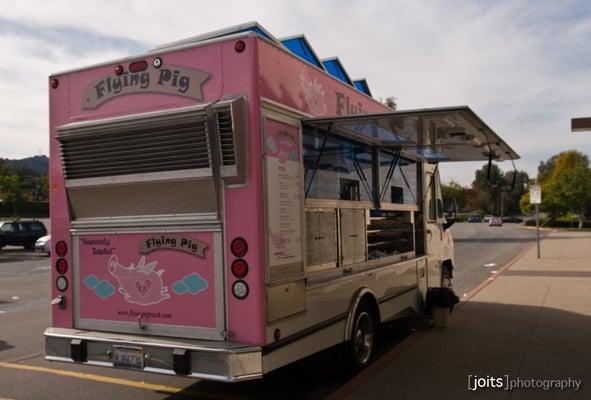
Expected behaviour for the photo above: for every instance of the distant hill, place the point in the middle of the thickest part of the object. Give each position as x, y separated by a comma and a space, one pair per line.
38, 164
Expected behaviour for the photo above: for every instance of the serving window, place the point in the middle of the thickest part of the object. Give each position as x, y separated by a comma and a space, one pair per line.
360, 201
398, 177
337, 168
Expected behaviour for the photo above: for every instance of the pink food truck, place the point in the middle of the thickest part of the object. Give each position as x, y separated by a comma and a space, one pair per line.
227, 204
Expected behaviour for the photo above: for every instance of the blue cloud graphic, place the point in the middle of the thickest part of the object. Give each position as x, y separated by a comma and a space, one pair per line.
104, 289
192, 284
179, 287
91, 281
195, 283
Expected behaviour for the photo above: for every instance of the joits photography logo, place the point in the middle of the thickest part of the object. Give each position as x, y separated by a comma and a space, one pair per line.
507, 382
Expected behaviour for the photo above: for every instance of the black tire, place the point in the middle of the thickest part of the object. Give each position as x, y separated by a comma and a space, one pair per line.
360, 349
29, 245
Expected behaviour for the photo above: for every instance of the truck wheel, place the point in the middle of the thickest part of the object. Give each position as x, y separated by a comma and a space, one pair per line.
360, 348
29, 245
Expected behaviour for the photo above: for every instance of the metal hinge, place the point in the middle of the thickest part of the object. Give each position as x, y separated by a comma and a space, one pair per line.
227, 334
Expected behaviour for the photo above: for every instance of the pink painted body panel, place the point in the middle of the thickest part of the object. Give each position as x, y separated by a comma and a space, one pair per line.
292, 82
261, 70
166, 286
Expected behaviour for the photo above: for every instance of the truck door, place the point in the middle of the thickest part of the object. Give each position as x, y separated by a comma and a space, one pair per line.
434, 224
145, 200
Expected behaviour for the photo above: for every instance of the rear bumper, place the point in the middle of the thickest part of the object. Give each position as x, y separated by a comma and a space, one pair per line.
219, 361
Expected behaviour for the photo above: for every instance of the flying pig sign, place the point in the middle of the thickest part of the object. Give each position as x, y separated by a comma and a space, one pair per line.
168, 79
167, 279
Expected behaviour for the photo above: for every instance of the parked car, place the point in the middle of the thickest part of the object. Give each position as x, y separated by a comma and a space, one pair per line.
513, 218
475, 218
43, 244
22, 232
495, 221
487, 218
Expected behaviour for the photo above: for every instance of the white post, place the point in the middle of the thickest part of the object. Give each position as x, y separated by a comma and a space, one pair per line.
538, 227
535, 198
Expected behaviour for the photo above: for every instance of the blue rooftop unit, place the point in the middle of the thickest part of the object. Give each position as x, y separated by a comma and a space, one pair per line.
361, 85
334, 67
300, 46
297, 45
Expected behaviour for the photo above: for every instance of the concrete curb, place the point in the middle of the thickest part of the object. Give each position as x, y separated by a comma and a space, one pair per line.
491, 279
533, 228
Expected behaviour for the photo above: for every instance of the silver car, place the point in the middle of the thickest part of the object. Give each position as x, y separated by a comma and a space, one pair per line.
43, 244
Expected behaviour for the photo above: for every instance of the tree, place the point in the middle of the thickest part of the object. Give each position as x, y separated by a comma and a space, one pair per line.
545, 169
565, 179
514, 194
490, 189
455, 191
391, 102
10, 190
524, 204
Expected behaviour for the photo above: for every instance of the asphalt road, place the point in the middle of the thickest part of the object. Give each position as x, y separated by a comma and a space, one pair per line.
481, 250
24, 314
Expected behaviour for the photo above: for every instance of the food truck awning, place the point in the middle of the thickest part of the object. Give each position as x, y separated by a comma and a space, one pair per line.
434, 134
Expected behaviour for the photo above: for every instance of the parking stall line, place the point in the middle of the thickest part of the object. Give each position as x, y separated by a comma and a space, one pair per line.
115, 381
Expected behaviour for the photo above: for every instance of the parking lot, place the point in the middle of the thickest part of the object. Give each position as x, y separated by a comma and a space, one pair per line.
24, 314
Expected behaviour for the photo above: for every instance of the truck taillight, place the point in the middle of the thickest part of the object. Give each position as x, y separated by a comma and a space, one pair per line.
54, 83
138, 66
61, 248
61, 266
239, 268
240, 289
119, 70
239, 46
61, 283
239, 247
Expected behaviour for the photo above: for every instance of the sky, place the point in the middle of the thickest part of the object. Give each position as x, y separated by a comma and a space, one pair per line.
523, 66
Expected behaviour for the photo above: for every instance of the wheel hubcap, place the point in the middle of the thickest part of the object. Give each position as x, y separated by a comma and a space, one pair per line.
363, 337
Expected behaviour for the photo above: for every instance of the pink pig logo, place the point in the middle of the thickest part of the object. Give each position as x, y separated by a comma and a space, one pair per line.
140, 284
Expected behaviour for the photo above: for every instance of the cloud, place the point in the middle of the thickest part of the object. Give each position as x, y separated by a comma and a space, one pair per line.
102, 288
522, 66
91, 281
192, 284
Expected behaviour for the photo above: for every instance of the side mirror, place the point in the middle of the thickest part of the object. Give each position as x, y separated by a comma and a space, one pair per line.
450, 208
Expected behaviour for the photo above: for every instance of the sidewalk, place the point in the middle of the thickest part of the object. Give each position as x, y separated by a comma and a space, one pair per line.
533, 321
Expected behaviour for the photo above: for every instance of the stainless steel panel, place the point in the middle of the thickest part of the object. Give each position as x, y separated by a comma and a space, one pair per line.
221, 361
232, 128
140, 148
147, 198
353, 236
321, 237
286, 299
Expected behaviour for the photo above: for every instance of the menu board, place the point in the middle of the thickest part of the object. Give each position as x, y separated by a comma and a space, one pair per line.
284, 197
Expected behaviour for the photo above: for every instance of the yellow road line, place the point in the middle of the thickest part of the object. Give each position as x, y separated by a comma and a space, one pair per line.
96, 378
107, 379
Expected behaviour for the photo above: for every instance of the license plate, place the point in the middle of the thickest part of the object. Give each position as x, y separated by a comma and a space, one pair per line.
128, 357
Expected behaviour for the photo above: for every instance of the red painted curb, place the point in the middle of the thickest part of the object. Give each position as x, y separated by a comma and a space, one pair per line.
491, 279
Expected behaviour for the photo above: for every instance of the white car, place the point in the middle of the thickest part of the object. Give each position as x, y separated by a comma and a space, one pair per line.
495, 221
487, 218
43, 244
